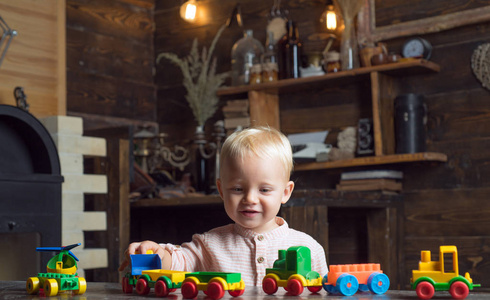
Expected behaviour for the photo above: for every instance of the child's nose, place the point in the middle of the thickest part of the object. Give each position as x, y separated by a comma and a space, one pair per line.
250, 197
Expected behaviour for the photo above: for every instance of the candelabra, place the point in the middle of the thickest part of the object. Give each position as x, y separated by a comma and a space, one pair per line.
202, 155
153, 153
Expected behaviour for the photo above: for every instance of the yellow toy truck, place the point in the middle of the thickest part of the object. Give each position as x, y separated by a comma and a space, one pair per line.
437, 276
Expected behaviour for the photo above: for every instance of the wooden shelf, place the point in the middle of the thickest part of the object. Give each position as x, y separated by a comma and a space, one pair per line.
178, 201
264, 100
373, 160
411, 67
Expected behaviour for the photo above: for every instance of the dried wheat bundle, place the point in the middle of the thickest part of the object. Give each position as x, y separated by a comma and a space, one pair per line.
349, 8
480, 63
200, 78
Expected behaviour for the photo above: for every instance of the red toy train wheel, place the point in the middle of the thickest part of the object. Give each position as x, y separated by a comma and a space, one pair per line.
161, 289
269, 285
215, 290
189, 290
126, 287
295, 287
236, 293
314, 289
459, 290
142, 287
425, 290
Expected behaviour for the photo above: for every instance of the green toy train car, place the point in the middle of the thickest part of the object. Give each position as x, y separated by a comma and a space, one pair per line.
292, 270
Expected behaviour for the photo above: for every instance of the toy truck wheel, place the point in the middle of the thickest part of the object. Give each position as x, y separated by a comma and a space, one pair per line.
32, 285
347, 284
142, 287
459, 290
82, 286
50, 287
314, 289
269, 285
295, 287
236, 293
189, 290
161, 289
425, 290
126, 287
215, 290
378, 283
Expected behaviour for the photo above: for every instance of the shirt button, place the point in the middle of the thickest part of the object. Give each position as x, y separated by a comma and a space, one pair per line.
260, 237
260, 260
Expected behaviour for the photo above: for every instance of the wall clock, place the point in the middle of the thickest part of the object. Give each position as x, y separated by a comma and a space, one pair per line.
417, 47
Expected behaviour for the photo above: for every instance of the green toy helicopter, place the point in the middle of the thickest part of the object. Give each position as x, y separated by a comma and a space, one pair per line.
61, 274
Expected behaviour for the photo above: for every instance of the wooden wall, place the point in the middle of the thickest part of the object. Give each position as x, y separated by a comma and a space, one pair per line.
35, 59
110, 53
444, 203
110, 65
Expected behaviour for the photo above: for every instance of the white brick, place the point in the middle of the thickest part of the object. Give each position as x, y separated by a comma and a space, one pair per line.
72, 201
63, 124
91, 258
87, 183
71, 163
87, 221
80, 144
70, 237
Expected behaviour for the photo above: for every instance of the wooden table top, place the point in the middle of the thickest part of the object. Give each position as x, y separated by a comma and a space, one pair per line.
102, 290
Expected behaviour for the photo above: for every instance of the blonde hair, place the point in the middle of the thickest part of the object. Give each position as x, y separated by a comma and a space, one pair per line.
265, 142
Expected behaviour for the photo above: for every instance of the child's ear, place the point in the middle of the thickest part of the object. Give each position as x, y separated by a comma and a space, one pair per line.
287, 192
218, 185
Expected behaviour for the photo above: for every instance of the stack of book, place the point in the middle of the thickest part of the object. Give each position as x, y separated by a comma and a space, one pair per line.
373, 180
236, 115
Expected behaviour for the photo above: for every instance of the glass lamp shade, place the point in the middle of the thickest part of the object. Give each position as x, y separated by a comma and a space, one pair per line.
330, 18
188, 10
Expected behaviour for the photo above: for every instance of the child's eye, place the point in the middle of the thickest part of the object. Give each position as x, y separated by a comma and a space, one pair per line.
237, 189
265, 190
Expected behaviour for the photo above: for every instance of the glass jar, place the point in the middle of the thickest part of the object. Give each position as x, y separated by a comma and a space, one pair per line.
269, 61
245, 53
256, 74
331, 62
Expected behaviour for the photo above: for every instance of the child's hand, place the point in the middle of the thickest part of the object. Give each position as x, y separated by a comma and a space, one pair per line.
141, 248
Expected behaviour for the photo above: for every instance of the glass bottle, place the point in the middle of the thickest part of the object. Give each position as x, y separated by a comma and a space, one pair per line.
269, 61
290, 48
245, 53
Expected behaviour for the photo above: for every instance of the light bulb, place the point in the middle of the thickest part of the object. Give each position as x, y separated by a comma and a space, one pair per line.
331, 18
188, 11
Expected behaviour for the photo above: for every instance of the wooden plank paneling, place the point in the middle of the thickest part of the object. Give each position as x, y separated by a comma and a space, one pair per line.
36, 57
98, 95
110, 59
464, 212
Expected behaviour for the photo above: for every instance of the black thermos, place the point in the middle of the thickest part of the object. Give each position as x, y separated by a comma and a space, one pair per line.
410, 120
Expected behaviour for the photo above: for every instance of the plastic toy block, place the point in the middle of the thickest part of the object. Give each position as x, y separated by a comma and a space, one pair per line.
292, 270
350, 278
435, 276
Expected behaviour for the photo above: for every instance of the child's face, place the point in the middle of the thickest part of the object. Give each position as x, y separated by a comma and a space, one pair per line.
253, 191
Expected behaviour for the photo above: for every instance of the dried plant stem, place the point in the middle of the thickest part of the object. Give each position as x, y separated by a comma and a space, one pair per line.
200, 78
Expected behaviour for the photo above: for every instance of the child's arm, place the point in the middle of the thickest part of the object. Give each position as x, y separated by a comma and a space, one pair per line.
143, 247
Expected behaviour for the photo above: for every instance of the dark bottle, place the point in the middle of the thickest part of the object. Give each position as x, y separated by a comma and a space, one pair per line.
290, 48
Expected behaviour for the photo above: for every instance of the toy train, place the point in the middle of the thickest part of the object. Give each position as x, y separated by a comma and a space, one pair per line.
146, 273
292, 270
61, 274
436, 276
